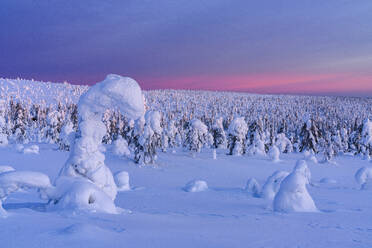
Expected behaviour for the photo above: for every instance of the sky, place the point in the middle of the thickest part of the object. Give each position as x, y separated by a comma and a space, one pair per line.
312, 47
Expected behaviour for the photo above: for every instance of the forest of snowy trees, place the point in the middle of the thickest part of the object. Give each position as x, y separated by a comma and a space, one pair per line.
243, 124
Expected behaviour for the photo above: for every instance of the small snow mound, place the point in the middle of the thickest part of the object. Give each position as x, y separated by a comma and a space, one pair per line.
364, 177
6, 168
274, 153
121, 147
122, 180
34, 149
12, 181
78, 194
19, 148
253, 187
196, 186
272, 184
293, 195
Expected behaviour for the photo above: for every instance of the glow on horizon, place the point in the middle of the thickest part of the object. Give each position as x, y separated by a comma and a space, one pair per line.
286, 47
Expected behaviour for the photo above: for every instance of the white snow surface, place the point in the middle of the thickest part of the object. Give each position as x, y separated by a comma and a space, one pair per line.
164, 215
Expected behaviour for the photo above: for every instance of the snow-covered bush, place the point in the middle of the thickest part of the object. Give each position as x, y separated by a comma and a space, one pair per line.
364, 177
122, 180
236, 136
272, 184
253, 187
196, 186
293, 195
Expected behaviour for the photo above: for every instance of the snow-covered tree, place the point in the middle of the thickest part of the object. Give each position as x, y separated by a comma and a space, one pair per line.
236, 136
196, 136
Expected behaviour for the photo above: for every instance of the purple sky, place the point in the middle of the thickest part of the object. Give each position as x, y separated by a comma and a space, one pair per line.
267, 46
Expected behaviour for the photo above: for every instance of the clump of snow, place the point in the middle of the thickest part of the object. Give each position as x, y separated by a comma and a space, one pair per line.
272, 184
34, 149
274, 153
301, 165
79, 194
196, 186
12, 181
120, 147
293, 195
253, 187
6, 168
122, 181
364, 177
115, 91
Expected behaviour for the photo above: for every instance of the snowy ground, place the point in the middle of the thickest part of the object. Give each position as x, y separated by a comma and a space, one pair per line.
163, 215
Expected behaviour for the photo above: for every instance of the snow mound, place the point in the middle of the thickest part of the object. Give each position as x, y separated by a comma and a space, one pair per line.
122, 181
364, 177
272, 184
253, 187
274, 154
34, 149
196, 186
78, 194
6, 168
12, 181
293, 195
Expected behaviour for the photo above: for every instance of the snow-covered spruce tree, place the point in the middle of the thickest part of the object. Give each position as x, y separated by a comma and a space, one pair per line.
366, 138
309, 136
256, 138
196, 136
85, 181
218, 133
151, 138
236, 136
172, 133
19, 124
136, 144
3, 126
